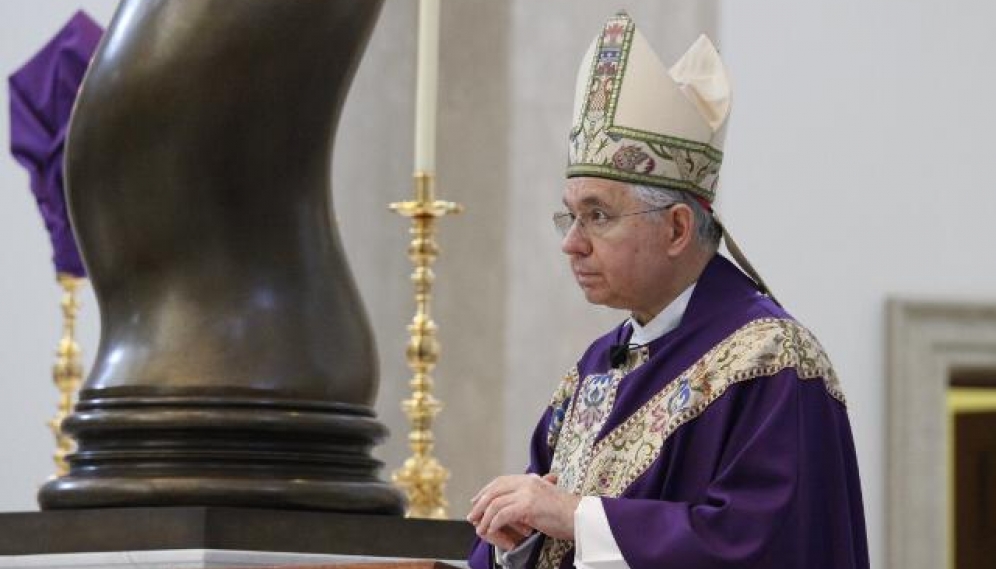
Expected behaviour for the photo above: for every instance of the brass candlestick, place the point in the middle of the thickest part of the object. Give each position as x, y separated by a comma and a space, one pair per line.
67, 371
421, 477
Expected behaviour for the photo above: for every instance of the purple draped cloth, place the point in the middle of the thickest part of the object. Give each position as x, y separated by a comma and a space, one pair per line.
764, 476
42, 94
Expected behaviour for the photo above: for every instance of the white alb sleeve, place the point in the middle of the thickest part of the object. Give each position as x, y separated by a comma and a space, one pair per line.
594, 545
517, 558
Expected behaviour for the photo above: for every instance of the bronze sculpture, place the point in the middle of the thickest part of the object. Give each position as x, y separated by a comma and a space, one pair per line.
236, 365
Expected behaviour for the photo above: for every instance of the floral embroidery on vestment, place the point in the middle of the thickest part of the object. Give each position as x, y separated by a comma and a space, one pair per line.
558, 405
608, 466
594, 399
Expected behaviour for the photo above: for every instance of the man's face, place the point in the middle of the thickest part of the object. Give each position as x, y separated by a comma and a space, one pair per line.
626, 266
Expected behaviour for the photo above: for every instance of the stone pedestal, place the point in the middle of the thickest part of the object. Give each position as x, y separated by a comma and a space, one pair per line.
222, 537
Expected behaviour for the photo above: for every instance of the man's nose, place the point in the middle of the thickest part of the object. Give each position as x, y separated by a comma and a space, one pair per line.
575, 242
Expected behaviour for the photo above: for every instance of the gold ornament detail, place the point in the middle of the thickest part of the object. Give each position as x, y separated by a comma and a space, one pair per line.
67, 371
422, 477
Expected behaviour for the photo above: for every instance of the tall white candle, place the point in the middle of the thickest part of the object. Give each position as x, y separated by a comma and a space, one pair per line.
426, 86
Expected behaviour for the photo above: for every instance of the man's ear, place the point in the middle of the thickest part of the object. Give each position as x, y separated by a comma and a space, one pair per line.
681, 229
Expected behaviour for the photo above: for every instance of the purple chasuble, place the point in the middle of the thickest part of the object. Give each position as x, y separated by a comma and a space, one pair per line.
723, 444
42, 94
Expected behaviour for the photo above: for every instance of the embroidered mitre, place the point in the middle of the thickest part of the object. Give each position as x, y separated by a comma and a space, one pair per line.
637, 121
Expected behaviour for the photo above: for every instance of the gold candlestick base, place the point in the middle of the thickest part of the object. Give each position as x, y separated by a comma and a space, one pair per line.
67, 373
421, 477
424, 482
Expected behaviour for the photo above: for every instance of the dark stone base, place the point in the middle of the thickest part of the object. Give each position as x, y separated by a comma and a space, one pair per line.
241, 529
236, 452
115, 492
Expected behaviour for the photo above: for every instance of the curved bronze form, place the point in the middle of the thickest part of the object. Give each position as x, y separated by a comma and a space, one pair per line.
236, 364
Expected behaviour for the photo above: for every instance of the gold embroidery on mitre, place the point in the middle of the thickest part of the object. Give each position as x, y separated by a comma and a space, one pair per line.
607, 467
640, 149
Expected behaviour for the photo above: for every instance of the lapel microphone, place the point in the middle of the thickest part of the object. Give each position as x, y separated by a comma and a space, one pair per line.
618, 354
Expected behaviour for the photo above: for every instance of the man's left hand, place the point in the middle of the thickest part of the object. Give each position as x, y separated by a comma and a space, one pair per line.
523, 500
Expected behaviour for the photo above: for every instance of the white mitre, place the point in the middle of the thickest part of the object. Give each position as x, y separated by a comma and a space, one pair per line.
637, 121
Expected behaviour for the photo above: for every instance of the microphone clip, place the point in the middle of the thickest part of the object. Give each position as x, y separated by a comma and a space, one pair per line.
618, 355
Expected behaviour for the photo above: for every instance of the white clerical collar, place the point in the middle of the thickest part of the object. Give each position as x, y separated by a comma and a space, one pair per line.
667, 320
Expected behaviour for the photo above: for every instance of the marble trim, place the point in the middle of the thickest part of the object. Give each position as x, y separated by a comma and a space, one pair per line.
927, 341
185, 559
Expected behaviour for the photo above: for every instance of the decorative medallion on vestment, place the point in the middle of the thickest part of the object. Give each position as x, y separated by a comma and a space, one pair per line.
608, 466
559, 403
602, 147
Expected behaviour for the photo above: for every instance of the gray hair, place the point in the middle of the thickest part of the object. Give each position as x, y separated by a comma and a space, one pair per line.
708, 233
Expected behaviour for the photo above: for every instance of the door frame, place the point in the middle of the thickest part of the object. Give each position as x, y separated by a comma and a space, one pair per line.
928, 342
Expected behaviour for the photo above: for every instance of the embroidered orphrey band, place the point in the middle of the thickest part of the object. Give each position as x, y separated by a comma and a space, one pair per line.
607, 467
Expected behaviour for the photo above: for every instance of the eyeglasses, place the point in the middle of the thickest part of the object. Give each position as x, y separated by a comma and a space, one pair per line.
594, 222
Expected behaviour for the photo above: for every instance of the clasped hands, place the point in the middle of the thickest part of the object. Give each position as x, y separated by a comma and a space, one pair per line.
510, 508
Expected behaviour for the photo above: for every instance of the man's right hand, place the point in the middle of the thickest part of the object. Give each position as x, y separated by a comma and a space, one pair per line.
509, 508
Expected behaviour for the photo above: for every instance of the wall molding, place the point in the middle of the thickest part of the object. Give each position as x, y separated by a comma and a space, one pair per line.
928, 341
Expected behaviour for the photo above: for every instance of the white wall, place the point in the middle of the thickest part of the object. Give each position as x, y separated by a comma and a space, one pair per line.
858, 167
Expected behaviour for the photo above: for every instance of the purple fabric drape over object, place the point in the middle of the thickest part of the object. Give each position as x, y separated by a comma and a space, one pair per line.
42, 94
